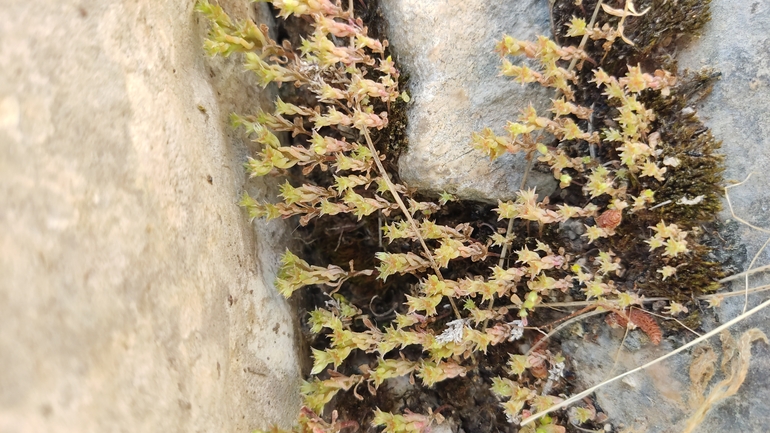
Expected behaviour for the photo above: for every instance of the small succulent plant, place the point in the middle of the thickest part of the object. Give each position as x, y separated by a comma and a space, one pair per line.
353, 82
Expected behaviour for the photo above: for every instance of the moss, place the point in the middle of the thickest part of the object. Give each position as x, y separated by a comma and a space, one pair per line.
698, 176
654, 34
666, 22
393, 137
683, 136
686, 138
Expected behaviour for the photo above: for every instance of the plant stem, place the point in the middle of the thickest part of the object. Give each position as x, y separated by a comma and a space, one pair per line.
530, 161
407, 214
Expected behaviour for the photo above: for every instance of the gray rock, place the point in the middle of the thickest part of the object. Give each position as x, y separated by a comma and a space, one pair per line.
736, 43
447, 49
135, 295
736, 110
447, 426
651, 400
660, 399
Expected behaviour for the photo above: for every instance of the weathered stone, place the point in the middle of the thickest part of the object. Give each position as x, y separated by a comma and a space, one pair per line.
736, 109
446, 47
651, 400
135, 296
735, 42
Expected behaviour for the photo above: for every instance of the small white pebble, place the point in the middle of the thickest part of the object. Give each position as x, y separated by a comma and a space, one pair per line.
631, 381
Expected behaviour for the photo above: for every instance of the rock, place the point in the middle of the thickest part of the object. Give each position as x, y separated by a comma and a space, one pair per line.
651, 400
736, 109
660, 398
736, 112
135, 295
447, 426
447, 49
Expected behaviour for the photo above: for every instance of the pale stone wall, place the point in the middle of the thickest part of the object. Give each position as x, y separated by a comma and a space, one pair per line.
134, 294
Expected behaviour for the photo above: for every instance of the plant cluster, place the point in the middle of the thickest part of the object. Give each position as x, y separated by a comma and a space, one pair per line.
445, 325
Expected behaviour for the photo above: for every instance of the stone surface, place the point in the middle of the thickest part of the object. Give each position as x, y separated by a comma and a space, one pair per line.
737, 44
135, 296
446, 47
648, 401
659, 398
736, 110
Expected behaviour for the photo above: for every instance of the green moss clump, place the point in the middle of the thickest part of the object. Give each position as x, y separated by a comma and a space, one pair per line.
654, 33
684, 138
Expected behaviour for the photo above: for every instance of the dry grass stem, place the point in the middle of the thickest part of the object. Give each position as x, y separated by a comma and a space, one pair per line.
744, 273
732, 212
562, 326
407, 214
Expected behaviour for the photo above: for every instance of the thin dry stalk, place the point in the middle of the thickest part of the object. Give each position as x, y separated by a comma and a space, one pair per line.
674, 319
564, 325
740, 292
732, 212
742, 274
727, 197
618, 352
746, 277
647, 300
407, 214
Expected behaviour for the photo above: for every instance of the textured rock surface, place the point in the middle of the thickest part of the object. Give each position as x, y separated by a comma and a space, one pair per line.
736, 44
648, 401
135, 296
736, 110
447, 49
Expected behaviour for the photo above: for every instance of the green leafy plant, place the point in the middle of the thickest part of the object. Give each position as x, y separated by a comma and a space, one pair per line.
614, 171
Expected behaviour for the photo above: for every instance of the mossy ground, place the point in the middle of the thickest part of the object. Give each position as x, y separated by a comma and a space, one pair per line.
656, 36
